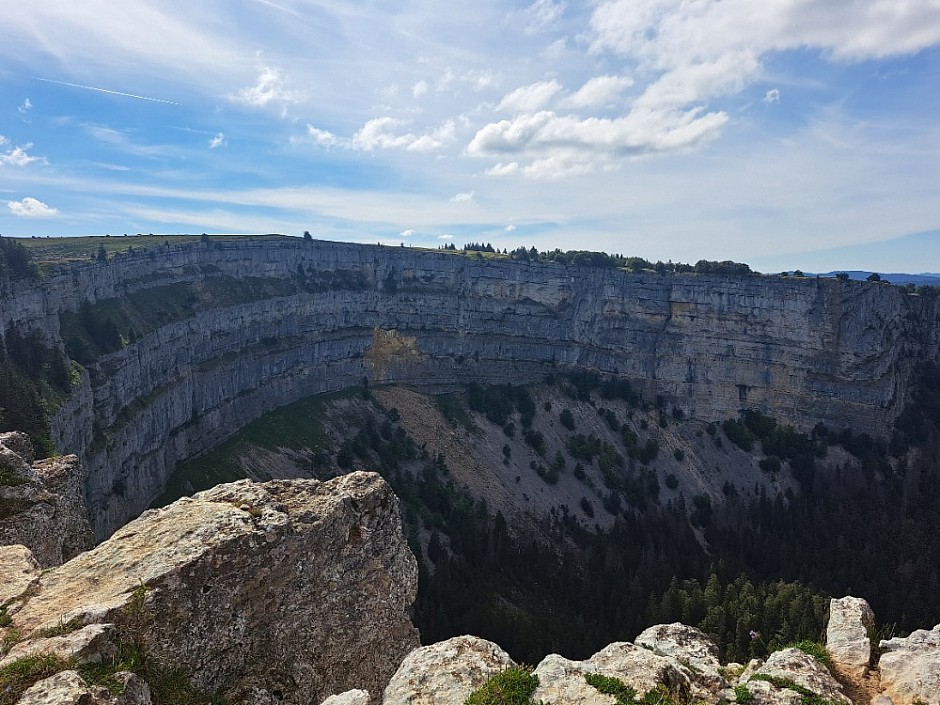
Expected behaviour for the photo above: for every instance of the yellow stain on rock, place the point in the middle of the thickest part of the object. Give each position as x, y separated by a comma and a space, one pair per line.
390, 348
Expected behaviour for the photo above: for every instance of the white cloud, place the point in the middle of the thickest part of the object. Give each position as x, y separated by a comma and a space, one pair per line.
529, 98
419, 89
693, 55
217, 141
445, 237
269, 88
18, 156
25, 107
322, 137
384, 133
31, 208
772, 96
510, 228
463, 197
407, 232
538, 16
599, 91
559, 145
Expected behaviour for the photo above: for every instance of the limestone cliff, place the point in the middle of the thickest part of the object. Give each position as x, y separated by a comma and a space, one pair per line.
265, 323
41, 505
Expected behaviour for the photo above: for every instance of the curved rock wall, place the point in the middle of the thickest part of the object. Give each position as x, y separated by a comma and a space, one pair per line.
803, 350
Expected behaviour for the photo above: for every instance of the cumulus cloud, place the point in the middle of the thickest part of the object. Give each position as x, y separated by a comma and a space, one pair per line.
693, 55
419, 89
510, 228
19, 156
269, 88
217, 141
31, 208
386, 133
407, 232
772, 96
445, 237
559, 145
599, 91
529, 98
463, 197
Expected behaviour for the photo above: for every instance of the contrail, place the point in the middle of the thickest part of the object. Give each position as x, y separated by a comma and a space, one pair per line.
105, 90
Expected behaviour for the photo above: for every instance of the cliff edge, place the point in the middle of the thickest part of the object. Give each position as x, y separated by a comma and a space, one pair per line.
286, 591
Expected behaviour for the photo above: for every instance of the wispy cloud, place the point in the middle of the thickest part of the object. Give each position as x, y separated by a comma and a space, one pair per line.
217, 141
529, 98
109, 91
19, 156
539, 16
31, 208
772, 96
25, 107
463, 197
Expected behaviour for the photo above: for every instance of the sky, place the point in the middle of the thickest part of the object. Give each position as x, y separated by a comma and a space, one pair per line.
784, 133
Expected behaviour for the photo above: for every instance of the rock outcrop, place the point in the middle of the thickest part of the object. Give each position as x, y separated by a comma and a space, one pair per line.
446, 672
291, 590
910, 668
847, 634
256, 325
41, 503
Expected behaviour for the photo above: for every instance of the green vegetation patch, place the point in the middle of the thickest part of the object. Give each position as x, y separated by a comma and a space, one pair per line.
814, 649
17, 677
807, 696
514, 686
625, 695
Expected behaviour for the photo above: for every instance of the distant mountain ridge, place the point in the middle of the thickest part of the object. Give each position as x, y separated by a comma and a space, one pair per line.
924, 278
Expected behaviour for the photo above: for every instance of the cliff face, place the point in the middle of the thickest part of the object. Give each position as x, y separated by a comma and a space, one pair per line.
329, 315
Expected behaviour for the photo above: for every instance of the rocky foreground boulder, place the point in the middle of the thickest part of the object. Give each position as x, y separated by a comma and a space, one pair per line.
287, 591
41, 505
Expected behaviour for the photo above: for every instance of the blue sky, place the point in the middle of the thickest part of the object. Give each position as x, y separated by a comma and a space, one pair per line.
792, 133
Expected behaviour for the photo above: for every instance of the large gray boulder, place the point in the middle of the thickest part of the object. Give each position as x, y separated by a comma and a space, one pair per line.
910, 668
850, 622
691, 648
805, 671
296, 588
447, 672
562, 682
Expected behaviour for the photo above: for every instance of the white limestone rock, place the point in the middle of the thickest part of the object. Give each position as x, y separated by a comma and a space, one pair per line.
562, 681
350, 697
689, 647
89, 644
299, 588
19, 570
804, 670
46, 510
445, 673
910, 667
851, 620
